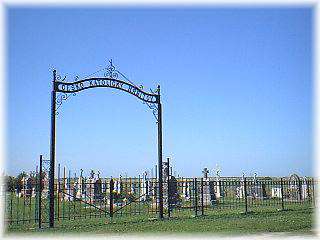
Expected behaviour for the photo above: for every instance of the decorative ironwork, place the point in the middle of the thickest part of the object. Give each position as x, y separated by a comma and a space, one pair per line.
59, 78
111, 80
154, 109
43, 191
62, 97
111, 71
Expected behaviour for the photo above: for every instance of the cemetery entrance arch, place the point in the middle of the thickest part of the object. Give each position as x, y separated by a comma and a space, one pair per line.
110, 79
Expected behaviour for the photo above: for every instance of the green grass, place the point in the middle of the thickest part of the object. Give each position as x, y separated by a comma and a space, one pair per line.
226, 217
298, 220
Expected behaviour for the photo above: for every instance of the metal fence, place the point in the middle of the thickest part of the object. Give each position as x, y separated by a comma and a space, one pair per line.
123, 198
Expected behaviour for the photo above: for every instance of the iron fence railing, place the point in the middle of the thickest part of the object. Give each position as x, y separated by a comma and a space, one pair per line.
85, 198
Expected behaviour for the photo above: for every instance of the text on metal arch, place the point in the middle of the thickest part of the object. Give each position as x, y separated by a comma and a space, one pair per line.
77, 86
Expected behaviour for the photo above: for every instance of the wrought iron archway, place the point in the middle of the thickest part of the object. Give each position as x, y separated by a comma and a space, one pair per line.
109, 80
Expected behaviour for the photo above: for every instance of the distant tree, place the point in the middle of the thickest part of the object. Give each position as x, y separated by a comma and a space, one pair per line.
34, 177
10, 183
19, 182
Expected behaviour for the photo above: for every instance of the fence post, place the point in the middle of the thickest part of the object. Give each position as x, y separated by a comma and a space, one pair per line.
202, 205
245, 194
195, 197
40, 191
308, 189
111, 198
168, 187
282, 203
59, 190
313, 193
300, 191
37, 194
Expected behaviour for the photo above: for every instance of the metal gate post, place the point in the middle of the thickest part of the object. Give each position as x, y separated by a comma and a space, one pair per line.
168, 187
111, 198
52, 152
160, 155
245, 194
313, 193
308, 189
202, 205
195, 197
282, 203
300, 191
40, 193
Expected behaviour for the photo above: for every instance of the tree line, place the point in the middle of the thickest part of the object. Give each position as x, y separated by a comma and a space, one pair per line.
14, 183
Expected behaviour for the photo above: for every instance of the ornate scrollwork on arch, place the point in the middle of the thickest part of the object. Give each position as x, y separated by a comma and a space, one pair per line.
154, 109
112, 79
62, 97
111, 71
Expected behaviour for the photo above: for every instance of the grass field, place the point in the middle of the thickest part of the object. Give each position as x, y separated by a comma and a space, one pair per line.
297, 220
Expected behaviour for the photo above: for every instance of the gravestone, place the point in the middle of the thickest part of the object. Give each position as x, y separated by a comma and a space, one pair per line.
205, 172
240, 192
240, 189
132, 188
206, 192
75, 189
82, 185
65, 189
173, 192
213, 195
294, 188
276, 191
29, 191
118, 185
18, 188
258, 190
186, 189
144, 187
153, 189
98, 196
304, 189
219, 189
90, 187
219, 186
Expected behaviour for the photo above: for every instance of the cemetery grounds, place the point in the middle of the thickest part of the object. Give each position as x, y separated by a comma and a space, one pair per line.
227, 206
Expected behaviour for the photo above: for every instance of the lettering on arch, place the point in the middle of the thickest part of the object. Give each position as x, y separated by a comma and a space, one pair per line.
72, 87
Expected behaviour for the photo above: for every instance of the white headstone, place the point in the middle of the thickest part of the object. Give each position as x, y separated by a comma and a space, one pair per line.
276, 192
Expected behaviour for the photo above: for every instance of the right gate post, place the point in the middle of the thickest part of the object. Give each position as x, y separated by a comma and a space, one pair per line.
160, 155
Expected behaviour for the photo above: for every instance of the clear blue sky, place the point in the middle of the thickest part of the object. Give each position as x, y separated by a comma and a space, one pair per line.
236, 88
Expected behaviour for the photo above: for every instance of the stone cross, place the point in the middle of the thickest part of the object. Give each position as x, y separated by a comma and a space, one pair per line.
218, 170
92, 174
243, 176
205, 172
255, 177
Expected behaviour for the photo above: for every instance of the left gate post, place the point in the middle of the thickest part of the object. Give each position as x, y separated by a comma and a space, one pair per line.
40, 193
52, 151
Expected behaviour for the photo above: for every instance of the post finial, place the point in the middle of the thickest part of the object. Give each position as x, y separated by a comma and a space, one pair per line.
54, 75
